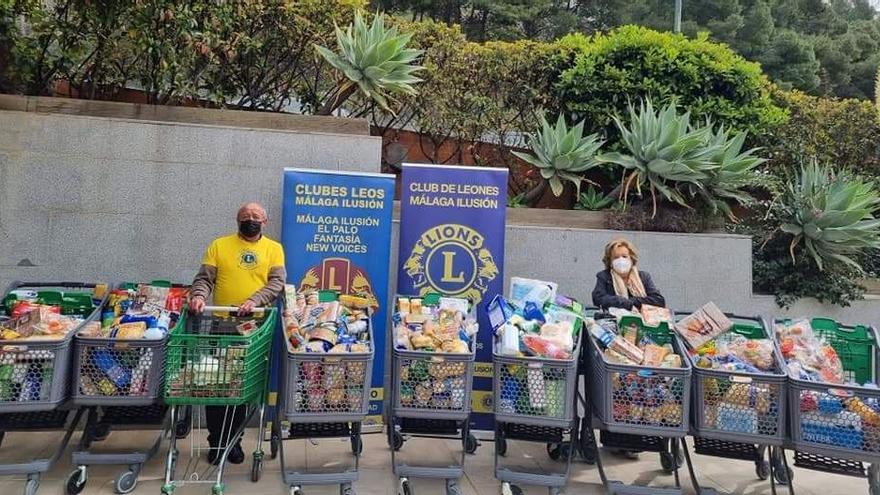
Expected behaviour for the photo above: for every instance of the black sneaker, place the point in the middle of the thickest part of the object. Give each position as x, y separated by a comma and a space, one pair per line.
236, 454
214, 455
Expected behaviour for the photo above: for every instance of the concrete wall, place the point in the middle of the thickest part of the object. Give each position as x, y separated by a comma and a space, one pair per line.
85, 197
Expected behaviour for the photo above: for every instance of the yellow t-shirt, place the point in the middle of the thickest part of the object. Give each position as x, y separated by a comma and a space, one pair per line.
242, 266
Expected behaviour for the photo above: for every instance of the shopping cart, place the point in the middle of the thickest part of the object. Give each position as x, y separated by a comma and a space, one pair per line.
209, 363
741, 415
34, 374
836, 428
324, 396
638, 407
119, 382
430, 398
535, 400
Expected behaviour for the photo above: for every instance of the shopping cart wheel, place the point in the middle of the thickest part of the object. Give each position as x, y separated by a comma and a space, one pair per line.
670, 464
396, 440
781, 472
257, 467
452, 487
76, 482
127, 481
501, 446
508, 489
404, 488
470, 444
357, 445
762, 469
558, 451
295, 490
874, 479
100, 432
167, 489
346, 489
218, 489
555, 490
31, 487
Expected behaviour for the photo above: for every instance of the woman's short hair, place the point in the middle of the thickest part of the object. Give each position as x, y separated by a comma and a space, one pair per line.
616, 243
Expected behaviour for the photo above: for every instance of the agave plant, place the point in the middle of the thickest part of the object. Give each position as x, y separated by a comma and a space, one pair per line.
665, 152
561, 153
831, 213
593, 200
735, 169
374, 59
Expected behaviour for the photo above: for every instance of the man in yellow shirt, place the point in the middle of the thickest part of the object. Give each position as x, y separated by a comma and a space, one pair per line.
246, 270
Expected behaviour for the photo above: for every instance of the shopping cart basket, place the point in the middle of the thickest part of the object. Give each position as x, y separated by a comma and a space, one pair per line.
209, 363
534, 400
836, 428
325, 396
34, 374
741, 415
430, 398
119, 381
639, 407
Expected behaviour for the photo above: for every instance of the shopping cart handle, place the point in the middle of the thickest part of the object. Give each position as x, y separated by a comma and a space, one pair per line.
231, 309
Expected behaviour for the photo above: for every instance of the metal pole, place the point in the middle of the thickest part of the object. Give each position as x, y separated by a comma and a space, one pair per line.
677, 27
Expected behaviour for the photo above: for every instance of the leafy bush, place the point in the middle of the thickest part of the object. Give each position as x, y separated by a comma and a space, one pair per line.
839, 131
775, 272
707, 79
593, 200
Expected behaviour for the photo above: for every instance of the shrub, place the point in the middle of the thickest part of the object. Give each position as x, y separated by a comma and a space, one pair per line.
707, 79
831, 130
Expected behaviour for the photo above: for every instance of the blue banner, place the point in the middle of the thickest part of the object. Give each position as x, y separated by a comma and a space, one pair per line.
336, 232
452, 242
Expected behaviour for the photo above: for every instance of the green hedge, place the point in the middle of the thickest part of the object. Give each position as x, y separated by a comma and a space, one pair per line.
633, 62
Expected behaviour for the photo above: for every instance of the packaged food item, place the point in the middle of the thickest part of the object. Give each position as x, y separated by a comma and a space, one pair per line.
150, 299
808, 356
523, 290
654, 354
439, 327
703, 325
653, 316
130, 330
247, 327
622, 346
541, 346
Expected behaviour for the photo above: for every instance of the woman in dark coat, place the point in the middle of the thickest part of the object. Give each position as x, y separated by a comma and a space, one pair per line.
621, 284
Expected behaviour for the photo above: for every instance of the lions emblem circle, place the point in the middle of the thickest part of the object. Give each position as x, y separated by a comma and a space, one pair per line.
451, 259
247, 260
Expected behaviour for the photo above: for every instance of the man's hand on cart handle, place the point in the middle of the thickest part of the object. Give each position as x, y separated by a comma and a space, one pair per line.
246, 307
197, 304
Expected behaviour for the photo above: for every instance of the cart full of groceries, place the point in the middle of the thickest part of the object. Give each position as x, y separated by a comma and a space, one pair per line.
37, 325
432, 365
538, 337
326, 372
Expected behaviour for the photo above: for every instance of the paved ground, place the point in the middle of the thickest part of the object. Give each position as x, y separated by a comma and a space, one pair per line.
377, 479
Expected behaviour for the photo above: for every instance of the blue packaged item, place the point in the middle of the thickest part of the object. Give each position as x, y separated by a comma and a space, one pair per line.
830, 405
112, 369
839, 430
499, 311
737, 419
730, 362
151, 321
531, 311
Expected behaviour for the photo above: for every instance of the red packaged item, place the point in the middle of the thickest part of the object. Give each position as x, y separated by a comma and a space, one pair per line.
175, 299
23, 307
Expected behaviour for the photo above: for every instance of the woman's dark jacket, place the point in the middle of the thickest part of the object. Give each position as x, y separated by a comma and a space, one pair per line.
605, 297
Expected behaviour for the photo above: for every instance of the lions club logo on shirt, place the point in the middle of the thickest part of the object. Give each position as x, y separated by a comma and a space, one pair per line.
247, 260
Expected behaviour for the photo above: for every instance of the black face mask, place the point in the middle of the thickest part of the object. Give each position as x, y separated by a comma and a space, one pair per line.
249, 228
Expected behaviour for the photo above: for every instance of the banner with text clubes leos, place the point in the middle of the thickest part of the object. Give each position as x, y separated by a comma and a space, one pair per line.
452, 242
336, 233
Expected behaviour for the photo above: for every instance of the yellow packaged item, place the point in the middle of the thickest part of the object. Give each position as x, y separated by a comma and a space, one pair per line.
131, 330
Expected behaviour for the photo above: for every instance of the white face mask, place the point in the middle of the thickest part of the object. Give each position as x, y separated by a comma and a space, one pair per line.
621, 265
